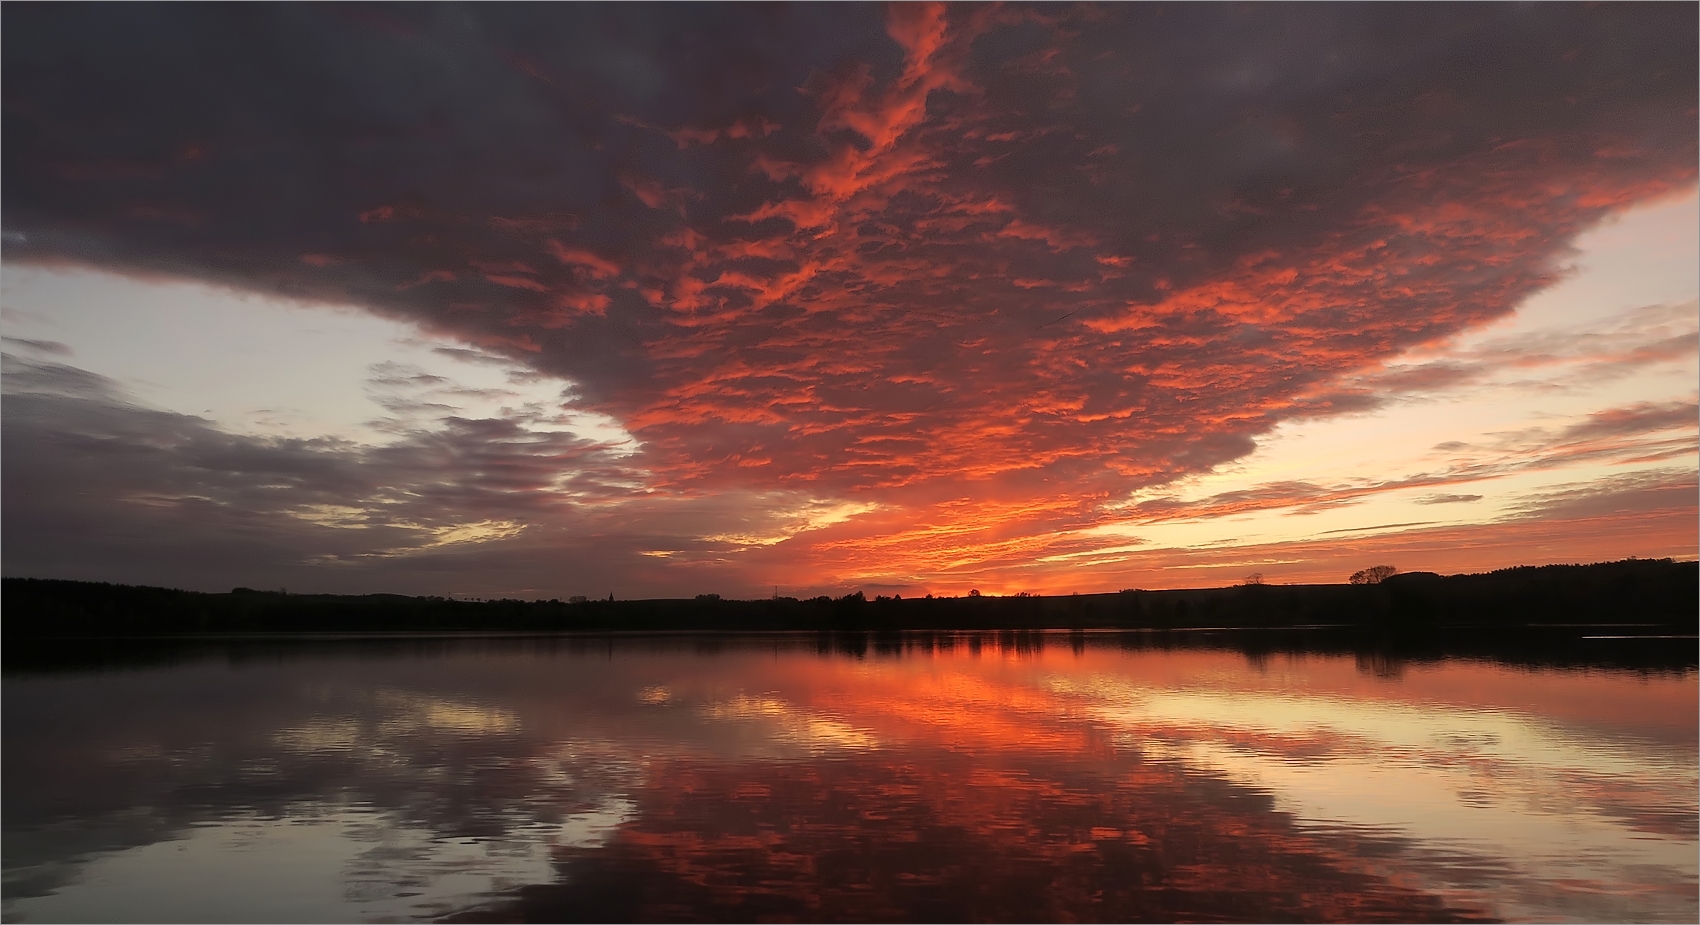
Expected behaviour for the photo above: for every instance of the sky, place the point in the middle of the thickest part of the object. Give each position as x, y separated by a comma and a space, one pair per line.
656, 300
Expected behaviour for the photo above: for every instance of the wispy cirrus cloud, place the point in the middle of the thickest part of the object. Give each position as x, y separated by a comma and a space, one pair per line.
1447, 499
1643, 432
1556, 358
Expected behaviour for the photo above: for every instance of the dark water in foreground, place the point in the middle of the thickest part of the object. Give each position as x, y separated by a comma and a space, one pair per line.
954, 777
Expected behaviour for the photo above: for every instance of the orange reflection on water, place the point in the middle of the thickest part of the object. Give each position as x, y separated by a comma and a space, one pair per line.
1019, 778
924, 837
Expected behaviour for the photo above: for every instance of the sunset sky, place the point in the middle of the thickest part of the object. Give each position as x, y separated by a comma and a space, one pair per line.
656, 300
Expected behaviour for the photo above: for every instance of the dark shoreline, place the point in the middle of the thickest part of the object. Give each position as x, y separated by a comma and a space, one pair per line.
1631, 615
1632, 591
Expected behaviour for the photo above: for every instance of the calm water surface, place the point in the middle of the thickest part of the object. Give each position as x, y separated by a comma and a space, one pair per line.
957, 777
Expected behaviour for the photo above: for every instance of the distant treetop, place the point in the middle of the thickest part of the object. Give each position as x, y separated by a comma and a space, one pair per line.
1374, 575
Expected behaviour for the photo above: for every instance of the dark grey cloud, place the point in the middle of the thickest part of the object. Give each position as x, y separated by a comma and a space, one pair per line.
98, 486
627, 195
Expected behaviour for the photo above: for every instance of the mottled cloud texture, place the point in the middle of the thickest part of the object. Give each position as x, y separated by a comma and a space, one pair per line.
987, 268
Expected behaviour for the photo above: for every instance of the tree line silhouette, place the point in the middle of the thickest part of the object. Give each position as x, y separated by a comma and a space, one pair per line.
1632, 591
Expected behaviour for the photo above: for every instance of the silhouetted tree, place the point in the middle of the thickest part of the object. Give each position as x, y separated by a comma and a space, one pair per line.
1374, 575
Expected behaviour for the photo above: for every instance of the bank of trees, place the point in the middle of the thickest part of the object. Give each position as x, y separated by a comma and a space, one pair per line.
1643, 591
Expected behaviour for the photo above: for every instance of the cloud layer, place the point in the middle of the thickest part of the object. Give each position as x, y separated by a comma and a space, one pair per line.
986, 268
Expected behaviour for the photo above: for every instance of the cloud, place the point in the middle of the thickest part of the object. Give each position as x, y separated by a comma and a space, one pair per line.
1043, 257
1642, 432
1638, 433
1629, 494
1558, 358
105, 488
102, 485
1447, 499
1651, 514
1634, 420
40, 346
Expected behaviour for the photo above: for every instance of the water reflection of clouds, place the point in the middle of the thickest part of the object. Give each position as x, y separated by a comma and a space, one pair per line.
593, 828
1564, 817
788, 726
327, 864
1500, 808
416, 710
408, 798
1549, 855
443, 784
956, 836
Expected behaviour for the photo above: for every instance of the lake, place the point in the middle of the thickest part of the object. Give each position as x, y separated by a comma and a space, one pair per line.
904, 777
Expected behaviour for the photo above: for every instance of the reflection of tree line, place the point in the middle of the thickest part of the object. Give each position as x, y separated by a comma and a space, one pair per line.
1626, 592
1383, 651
